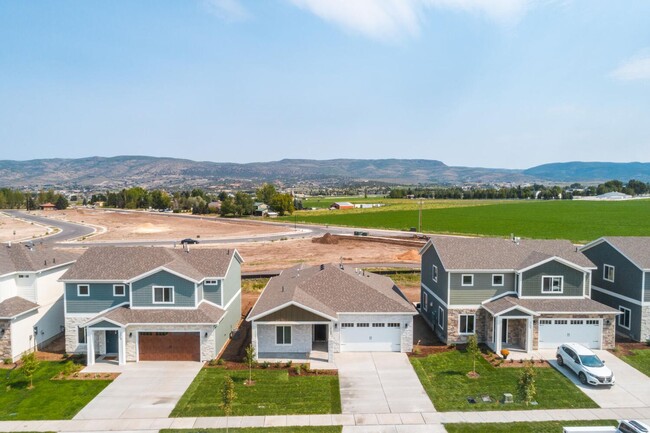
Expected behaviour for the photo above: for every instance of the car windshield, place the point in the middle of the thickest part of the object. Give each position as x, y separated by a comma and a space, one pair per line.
591, 361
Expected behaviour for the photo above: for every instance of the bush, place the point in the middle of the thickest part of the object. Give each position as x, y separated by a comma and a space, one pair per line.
69, 368
288, 364
297, 370
7, 361
265, 364
277, 365
220, 361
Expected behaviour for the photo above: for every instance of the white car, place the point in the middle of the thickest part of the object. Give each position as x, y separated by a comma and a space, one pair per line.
585, 363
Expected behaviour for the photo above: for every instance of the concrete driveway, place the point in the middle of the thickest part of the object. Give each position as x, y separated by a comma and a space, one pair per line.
380, 382
632, 388
142, 390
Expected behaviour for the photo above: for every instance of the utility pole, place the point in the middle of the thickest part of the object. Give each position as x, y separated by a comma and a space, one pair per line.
420, 217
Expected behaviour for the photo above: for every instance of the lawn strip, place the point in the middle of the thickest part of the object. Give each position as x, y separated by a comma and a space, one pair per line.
639, 359
523, 427
302, 429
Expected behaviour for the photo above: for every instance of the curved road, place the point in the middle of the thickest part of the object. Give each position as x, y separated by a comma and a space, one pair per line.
68, 230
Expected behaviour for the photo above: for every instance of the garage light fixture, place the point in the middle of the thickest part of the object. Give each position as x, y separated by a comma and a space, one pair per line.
130, 334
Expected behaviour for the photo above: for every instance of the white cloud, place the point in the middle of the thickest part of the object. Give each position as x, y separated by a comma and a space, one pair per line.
386, 19
636, 68
226, 9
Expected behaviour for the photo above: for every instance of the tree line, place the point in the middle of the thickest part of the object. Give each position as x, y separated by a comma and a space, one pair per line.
16, 199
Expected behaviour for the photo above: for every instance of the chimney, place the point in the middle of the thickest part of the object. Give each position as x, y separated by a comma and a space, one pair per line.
54, 260
228, 253
45, 262
322, 267
283, 288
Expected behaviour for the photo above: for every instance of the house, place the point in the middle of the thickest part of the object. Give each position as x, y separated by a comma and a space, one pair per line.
260, 209
341, 205
31, 298
333, 309
47, 206
622, 281
516, 294
215, 206
152, 303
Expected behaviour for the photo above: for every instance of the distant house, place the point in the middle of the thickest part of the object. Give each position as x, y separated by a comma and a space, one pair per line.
340, 205
215, 206
614, 196
260, 209
48, 206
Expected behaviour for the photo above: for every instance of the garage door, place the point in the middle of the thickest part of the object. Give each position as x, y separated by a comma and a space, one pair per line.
553, 332
169, 346
370, 337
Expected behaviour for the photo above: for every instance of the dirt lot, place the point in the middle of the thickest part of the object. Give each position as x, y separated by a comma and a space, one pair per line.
147, 226
23, 230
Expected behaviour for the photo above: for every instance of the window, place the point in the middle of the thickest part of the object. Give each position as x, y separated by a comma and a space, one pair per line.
163, 295
347, 325
466, 323
545, 321
592, 322
441, 318
577, 322
83, 290
434, 273
363, 325
497, 280
561, 321
393, 325
23, 276
552, 284
467, 280
425, 301
624, 319
211, 282
119, 290
283, 335
608, 273
378, 325
81, 335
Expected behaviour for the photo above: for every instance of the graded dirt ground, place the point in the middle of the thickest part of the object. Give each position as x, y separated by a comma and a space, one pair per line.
14, 230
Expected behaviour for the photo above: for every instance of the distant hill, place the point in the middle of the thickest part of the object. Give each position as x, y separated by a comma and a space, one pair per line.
152, 172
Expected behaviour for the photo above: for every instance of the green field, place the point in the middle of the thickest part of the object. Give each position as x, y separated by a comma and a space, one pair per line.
579, 221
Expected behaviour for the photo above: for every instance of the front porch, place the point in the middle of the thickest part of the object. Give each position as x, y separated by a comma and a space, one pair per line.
317, 358
299, 343
511, 332
107, 344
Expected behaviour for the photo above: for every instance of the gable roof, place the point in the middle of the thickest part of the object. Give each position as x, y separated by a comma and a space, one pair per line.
551, 305
24, 258
329, 290
127, 263
462, 253
204, 314
15, 306
635, 248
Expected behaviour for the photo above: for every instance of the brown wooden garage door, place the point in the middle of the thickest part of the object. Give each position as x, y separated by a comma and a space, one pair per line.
169, 346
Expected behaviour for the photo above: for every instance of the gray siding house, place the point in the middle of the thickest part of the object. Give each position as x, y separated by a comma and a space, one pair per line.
516, 294
144, 303
622, 281
308, 311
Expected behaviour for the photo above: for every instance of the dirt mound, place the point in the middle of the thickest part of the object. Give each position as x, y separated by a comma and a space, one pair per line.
410, 255
326, 239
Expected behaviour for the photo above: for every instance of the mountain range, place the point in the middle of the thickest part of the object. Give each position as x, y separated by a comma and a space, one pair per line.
154, 172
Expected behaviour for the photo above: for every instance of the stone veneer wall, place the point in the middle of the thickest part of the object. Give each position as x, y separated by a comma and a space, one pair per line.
517, 332
609, 331
208, 345
480, 325
5, 339
645, 323
301, 339
71, 342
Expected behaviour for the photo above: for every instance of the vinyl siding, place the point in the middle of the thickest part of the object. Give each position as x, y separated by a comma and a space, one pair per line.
232, 281
515, 313
293, 313
430, 258
627, 277
635, 323
647, 287
105, 324
532, 280
184, 292
213, 293
481, 290
101, 298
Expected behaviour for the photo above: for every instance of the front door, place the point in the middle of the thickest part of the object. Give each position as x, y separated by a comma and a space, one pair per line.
111, 342
320, 333
504, 330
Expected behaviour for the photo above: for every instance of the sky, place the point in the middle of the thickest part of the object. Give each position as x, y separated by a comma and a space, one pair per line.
489, 83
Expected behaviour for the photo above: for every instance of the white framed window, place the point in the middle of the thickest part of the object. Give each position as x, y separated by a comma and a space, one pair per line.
81, 335
608, 273
552, 284
425, 301
163, 295
119, 290
467, 280
466, 324
211, 282
625, 319
434, 273
497, 279
283, 335
441, 318
83, 290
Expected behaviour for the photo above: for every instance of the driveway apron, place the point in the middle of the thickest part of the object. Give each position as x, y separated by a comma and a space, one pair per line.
380, 382
142, 390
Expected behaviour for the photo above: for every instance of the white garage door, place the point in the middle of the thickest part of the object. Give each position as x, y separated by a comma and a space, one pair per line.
553, 332
370, 337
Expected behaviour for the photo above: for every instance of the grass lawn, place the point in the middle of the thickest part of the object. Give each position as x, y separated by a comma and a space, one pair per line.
274, 393
49, 399
523, 427
640, 359
306, 429
444, 376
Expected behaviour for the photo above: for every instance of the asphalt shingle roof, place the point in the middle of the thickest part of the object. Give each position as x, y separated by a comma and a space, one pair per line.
328, 289
551, 305
20, 258
636, 248
15, 306
126, 263
457, 253
205, 313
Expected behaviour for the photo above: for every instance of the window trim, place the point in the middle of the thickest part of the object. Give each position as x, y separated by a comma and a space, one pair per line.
211, 282
462, 280
426, 301
613, 268
284, 335
123, 287
552, 277
434, 273
466, 317
79, 286
441, 318
153, 295
621, 317
85, 334
503, 280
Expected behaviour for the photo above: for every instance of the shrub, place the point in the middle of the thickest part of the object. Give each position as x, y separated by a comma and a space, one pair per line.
277, 365
297, 370
220, 361
69, 368
7, 361
212, 362
265, 364
288, 364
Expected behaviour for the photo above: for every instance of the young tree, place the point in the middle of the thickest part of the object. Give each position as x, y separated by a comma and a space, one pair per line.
228, 396
473, 350
526, 387
29, 367
249, 358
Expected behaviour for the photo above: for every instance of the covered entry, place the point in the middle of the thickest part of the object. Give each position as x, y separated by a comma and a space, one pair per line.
553, 332
169, 346
371, 337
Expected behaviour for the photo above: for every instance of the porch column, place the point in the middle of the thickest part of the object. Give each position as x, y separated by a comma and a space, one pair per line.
121, 346
254, 341
529, 335
90, 347
497, 335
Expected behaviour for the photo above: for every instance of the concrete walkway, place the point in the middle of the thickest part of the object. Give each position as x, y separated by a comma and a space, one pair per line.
142, 390
380, 383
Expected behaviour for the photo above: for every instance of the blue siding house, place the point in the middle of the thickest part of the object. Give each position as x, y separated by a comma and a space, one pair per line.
145, 303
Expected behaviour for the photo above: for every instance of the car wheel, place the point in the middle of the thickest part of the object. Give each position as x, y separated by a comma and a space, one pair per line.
583, 378
560, 361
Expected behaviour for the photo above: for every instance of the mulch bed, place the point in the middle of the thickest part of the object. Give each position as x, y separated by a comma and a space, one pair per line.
87, 376
304, 371
624, 346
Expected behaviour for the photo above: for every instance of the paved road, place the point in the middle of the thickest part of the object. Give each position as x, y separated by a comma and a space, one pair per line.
67, 231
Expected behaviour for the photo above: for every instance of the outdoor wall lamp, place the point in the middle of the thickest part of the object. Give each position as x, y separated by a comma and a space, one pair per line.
406, 326
130, 334
206, 335
62, 328
336, 325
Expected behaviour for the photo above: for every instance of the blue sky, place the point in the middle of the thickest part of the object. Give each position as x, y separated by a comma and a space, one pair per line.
494, 83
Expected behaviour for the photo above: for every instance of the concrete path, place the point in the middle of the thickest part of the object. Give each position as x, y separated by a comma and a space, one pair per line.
380, 383
143, 390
